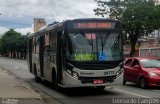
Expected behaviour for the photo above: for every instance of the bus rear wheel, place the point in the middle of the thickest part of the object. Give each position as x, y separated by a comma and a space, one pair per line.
37, 79
54, 81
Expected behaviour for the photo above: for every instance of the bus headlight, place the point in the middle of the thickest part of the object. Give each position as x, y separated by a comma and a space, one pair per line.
69, 72
72, 73
75, 75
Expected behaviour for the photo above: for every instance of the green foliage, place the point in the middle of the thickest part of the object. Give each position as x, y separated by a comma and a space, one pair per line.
139, 17
12, 42
0, 45
10, 39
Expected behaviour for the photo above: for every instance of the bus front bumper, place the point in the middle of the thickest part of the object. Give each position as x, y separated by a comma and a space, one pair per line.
70, 81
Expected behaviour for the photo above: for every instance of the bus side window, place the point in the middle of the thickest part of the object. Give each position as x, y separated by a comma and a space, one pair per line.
33, 45
37, 45
47, 48
46, 39
52, 42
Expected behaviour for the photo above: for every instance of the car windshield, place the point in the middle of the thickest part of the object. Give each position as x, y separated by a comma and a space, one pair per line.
150, 63
94, 47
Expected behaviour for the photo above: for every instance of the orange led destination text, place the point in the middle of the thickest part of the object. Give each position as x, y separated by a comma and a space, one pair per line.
94, 25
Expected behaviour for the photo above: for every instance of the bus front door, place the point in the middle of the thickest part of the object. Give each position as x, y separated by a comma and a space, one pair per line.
59, 56
29, 42
41, 55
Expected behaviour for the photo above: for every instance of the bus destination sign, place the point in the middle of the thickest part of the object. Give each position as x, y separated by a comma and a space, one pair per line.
94, 25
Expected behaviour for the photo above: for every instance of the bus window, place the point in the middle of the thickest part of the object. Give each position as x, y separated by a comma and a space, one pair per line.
37, 45
95, 46
47, 48
52, 41
46, 39
33, 45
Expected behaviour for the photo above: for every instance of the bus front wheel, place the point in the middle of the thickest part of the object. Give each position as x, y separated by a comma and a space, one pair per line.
37, 79
54, 80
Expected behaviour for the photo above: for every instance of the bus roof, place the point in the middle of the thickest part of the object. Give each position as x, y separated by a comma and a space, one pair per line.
46, 28
91, 19
57, 24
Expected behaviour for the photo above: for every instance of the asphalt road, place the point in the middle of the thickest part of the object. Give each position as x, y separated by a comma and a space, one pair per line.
79, 95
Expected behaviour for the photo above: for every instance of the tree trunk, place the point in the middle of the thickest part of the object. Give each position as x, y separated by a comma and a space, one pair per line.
25, 55
14, 54
11, 54
132, 49
133, 37
21, 54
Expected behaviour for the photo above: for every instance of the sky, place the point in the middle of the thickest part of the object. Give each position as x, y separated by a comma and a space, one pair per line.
19, 14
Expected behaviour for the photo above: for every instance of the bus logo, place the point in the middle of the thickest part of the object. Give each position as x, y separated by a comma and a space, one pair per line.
101, 56
109, 73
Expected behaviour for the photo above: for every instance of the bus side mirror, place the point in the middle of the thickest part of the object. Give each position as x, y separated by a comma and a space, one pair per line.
121, 64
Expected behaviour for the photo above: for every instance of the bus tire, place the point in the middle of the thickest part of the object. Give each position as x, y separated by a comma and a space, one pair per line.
124, 82
37, 79
54, 81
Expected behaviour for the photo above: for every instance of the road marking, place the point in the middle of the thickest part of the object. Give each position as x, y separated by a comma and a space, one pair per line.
3, 73
156, 90
131, 93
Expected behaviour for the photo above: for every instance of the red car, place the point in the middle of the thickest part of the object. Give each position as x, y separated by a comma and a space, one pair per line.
143, 71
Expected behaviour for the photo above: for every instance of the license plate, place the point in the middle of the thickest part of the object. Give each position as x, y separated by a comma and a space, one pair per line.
97, 81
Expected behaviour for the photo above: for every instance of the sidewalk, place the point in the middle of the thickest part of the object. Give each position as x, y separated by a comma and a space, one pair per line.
15, 91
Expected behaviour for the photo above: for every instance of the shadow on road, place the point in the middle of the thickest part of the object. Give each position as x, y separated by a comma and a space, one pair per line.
83, 91
77, 92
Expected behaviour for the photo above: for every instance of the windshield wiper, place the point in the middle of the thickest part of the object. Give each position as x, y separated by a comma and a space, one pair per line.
103, 41
90, 42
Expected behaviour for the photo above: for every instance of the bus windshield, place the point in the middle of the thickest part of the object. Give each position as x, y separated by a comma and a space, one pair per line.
95, 46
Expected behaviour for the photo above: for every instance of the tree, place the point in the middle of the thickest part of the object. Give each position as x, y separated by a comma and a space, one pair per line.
1, 49
13, 44
21, 46
138, 17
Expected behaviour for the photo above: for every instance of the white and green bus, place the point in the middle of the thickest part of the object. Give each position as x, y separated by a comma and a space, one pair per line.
77, 53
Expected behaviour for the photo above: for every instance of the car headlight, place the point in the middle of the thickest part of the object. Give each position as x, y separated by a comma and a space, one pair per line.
151, 74
72, 73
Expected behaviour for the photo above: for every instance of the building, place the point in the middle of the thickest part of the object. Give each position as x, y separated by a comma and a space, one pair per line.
149, 42
150, 46
157, 2
39, 23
